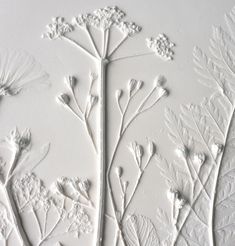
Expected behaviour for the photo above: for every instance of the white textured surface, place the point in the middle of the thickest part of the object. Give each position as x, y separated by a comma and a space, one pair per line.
186, 23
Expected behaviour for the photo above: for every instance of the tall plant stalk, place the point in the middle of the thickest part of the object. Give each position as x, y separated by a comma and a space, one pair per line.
104, 20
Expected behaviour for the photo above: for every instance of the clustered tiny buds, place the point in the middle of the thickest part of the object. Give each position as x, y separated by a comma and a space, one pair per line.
63, 99
162, 46
182, 152
134, 85
129, 28
199, 159
19, 141
216, 149
57, 29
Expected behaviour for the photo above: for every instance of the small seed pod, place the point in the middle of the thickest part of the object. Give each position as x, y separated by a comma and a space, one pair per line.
63, 99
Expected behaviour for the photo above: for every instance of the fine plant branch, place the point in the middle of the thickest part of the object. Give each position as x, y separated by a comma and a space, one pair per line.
138, 181
37, 222
104, 20
76, 44
215, 184
132, 56
92, 41
118, 45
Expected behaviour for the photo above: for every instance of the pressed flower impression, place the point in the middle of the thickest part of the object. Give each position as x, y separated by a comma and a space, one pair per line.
106, 137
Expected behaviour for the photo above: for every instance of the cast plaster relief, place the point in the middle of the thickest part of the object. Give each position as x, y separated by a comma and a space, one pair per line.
106, 20
200, 179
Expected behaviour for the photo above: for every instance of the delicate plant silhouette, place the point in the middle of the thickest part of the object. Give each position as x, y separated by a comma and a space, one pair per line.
201, 181
26, 193
18, 71
105, 20
23, 191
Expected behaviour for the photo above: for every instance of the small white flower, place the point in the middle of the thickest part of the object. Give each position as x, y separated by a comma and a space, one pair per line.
129, 28
137, 151
131, 86
119, 171
162, 46
139, 84
125, 185
176, 197
151, 148
162, 92
159, 81
92, 100
19, 141
70, 82
93, 76
216, 149
118, 94
57, 29
199, 159
63, 99
182, 152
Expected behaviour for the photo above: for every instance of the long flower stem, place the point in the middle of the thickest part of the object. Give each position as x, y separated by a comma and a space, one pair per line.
118, 45
92, 41
132, 56
73, 42
215, 184
102, 153
16, 220
38, 222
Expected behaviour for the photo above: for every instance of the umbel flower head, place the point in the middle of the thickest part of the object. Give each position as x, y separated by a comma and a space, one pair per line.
19, 71
57, 29
105, 18
162, 46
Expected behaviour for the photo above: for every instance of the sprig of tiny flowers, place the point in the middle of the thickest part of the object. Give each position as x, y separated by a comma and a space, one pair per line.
18, 143
80, 113
162, 46
151, 99
138, 151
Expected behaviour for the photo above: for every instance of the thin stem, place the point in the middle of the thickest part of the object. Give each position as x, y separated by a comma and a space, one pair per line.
139, 178
132, 56
216, 123
45, 223
107, 38
118, 45
17, 223
76, 101
73, 112
73, 42
48, 235
102, 154
215, 184
37, 221
190, 210
90, 134
16, 155
92, 41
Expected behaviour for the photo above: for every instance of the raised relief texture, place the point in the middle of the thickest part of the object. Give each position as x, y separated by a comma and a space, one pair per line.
106, 21
201, 179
